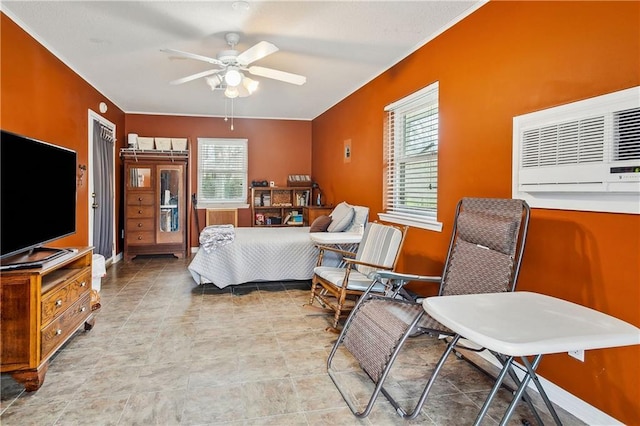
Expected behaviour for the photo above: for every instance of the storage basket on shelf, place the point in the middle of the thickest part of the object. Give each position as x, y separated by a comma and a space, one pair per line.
281, 198
145, 143
163, 144
179, 144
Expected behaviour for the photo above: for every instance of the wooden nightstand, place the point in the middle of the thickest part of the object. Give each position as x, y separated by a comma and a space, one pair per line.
310, 213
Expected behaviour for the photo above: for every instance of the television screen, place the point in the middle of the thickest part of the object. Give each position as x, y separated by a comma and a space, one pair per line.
37, 193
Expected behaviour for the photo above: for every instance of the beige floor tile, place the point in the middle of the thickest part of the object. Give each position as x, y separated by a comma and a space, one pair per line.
167, 351
294, 419
101, 410
264, 367
213, 405
270, 398
162, 377
317, 392
154, 408
33, 410
306, 362
335, 416
214, 372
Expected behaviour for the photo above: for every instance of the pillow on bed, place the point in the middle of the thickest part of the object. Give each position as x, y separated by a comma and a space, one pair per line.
320, 224
360, 218
341, 217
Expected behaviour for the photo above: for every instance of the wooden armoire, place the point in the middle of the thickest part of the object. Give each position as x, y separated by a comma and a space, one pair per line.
156, 200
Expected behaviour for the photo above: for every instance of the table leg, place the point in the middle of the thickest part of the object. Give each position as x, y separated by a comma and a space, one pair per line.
522, 388
525, 395
494, 390
541, 391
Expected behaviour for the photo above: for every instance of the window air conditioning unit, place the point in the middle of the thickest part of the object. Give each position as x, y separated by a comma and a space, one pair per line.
581, 156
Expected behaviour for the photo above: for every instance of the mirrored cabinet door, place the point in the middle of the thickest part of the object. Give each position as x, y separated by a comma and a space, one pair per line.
170, 213
140, 178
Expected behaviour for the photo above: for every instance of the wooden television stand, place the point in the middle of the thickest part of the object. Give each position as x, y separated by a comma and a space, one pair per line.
40, 309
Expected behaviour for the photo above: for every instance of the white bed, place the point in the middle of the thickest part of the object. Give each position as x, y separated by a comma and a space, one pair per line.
264, 254
271, 254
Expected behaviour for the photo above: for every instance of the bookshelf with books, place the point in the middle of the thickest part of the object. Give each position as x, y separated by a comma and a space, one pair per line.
279, 206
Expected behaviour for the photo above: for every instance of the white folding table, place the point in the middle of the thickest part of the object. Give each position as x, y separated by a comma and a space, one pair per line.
524, 324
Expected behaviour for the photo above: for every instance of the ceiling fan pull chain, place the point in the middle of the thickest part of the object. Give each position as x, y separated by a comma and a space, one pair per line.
232, 114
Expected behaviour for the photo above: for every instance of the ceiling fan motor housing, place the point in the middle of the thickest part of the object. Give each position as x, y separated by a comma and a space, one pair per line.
232, 39
228, 56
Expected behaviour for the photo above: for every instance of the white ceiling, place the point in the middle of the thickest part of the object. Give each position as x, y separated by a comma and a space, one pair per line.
338, 45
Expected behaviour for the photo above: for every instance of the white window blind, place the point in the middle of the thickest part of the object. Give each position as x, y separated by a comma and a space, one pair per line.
411, 160
222, 171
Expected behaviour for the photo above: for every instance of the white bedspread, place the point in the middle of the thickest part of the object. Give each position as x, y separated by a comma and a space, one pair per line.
258, 254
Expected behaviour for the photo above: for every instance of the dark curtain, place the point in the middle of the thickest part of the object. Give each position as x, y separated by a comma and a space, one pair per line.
103, 188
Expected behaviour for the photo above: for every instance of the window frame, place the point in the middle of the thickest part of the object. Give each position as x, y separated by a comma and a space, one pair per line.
393, 140
229, 203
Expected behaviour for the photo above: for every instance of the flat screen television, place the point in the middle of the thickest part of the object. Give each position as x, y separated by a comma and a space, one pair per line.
37, 198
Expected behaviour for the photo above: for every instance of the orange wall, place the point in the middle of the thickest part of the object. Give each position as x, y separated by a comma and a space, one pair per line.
44, 99
277, 148
507, 59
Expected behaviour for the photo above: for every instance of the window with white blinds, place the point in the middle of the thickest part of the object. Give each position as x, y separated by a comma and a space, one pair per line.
222, 171
411, 160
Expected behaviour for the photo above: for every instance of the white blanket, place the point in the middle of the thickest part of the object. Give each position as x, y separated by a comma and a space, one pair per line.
258, 254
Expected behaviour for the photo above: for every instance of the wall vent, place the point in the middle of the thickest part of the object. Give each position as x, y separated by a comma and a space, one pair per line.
580, 156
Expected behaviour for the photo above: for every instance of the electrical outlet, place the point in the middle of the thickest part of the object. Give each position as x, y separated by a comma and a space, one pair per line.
579, 354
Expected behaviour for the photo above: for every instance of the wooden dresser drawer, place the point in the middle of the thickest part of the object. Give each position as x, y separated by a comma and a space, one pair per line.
140, 225
57, 332
135, 212
140, 199
63, 296
140, 237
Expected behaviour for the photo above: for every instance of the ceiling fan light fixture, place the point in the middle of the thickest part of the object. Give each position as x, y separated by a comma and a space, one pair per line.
233, 77
250, 85
231, 92
214, 81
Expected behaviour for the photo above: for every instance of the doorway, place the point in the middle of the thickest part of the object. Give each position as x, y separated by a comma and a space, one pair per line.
102, 186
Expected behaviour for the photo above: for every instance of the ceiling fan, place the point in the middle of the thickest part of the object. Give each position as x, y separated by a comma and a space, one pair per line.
232, 65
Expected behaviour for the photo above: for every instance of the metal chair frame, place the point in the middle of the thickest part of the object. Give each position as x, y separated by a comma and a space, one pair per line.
405, 302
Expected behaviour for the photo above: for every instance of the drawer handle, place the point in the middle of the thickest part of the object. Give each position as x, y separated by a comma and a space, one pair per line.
59, 302
58, 332
139, 225
83, 284
82, 309
139, 211
139, 237
139, 198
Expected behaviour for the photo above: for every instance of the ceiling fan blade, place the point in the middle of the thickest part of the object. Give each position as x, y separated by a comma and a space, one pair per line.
192, 56
256, 52
194, 77
287, 77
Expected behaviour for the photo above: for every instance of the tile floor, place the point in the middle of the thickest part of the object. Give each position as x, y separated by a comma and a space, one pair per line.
165, 351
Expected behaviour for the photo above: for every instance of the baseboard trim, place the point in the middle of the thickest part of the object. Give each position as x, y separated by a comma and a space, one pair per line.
569, 402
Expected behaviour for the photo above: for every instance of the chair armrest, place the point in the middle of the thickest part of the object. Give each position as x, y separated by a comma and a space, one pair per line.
395, 282
391, 275
358, 262
347, 253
